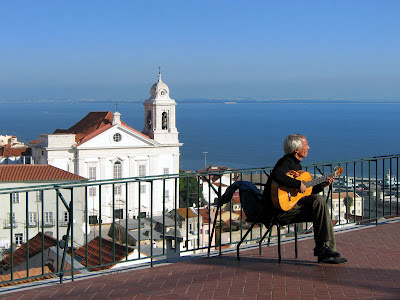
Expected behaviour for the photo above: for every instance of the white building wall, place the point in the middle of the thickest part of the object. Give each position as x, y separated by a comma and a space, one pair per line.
32, 204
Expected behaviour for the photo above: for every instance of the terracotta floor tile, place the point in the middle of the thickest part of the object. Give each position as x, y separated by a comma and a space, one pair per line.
371, 273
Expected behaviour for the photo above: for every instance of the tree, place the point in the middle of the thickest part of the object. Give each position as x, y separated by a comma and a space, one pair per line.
348, 201
190, 192
220, 227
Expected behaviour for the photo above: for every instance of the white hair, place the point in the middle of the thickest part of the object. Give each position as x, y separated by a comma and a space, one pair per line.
293, 142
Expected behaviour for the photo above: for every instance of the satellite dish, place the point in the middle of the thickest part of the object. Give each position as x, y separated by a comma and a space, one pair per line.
84, 228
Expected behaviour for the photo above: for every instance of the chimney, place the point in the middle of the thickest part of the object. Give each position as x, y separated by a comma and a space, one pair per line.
116, 118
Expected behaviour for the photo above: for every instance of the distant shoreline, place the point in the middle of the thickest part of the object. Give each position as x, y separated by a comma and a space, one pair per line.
213, 101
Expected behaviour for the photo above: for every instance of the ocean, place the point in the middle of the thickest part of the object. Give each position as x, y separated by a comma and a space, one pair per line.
241, 135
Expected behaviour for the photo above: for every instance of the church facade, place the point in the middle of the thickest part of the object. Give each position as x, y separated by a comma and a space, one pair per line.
102, 147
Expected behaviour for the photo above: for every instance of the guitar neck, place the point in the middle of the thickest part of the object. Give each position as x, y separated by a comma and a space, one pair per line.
318, 180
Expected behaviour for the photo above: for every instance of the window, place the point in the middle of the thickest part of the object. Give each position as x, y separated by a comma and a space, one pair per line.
39, 196
66, 216
164, 120
92, 173
142, 170
119, 213
117, 189
32, 219
117, 170
207, 231
142, 189
93, 219
11, 219
149, 119
166, 171
48, 218
15, 197
166, 195
117, 137
28, 160
92, 191
18, 239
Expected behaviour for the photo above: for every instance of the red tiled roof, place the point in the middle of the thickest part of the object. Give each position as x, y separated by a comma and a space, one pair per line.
7, 151
22, 276
106, 252
213, 168
35, 247
35, 173
217, 184
93, 124
204, 213
186, 213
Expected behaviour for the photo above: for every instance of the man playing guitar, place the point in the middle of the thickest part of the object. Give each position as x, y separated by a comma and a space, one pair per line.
310, 208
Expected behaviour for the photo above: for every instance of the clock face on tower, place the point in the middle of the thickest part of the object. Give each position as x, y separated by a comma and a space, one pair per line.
163, 93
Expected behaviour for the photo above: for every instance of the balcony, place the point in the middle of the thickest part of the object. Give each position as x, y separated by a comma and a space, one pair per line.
140, 238
63, 223
7, 224
31, 224
49, 223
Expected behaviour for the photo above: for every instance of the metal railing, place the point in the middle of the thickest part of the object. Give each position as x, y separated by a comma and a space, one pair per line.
158, 218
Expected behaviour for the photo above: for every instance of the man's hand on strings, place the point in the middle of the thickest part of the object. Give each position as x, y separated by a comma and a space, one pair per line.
328, 182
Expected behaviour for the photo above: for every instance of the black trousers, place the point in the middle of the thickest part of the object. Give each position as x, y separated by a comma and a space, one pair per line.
312, 208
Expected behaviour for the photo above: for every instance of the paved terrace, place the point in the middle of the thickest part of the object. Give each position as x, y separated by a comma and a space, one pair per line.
373, 272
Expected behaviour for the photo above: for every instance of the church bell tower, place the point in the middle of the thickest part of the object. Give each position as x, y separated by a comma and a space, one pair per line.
159, 115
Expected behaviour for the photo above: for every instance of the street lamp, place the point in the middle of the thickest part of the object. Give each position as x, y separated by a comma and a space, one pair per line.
205, 160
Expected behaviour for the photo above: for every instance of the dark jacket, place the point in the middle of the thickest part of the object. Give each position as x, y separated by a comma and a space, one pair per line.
278, 174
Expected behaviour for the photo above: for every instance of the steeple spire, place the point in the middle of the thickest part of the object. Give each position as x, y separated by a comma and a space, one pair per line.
159, 74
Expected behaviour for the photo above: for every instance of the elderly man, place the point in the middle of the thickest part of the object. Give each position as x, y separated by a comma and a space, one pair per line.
311, 208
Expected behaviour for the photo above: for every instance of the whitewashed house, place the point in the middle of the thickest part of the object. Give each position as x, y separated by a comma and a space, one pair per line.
102, 147
213, 182
13, 152
26, 213
339, 209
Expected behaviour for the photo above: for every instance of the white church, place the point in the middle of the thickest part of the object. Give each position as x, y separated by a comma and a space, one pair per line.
102, 147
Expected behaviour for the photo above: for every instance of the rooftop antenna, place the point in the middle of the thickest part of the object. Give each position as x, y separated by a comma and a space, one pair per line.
116, 106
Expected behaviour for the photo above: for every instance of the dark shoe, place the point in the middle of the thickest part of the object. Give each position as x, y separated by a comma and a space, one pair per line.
332, 260
325, 251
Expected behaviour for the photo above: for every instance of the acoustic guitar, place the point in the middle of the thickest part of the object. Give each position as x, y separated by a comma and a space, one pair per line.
284, 198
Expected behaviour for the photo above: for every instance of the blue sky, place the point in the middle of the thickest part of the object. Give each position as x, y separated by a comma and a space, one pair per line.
206, 49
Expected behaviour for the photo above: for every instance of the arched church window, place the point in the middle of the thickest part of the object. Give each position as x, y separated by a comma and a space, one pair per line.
164, 120
149, 119
117, 170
